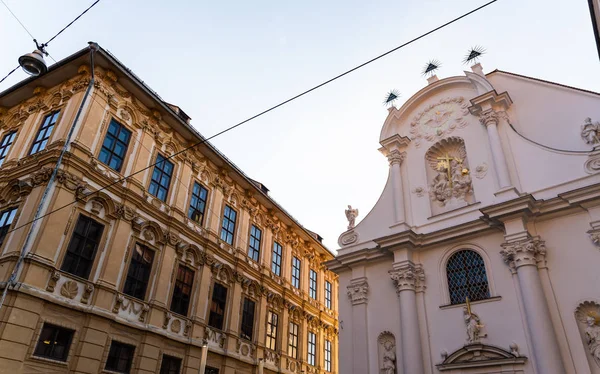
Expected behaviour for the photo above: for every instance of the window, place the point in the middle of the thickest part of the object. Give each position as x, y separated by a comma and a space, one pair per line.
115, 145
7, 141
228, 226
82, 247
254, 246
217, 306
276, 259
54, 342
327, 294
247, 319
120, 357
161, 178
210, 370
327, 355
198, 203
170, 365
466, 277
296, 272
312, 346
6, 219
293, 341
43, 134
272, 321
139, 272
312, 287
183, 290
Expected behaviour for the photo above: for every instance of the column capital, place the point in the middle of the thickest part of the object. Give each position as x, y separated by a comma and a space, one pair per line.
491, 117
358, 291
408, 277
523, 252
396, 157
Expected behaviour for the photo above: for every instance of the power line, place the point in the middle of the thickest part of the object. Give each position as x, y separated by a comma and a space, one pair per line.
12, 71
18, 20
72, 22
204, 140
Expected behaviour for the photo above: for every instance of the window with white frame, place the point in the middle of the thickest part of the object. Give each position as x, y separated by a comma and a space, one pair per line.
312, 348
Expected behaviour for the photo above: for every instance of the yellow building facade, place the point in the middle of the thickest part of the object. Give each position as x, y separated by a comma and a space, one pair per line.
145, 258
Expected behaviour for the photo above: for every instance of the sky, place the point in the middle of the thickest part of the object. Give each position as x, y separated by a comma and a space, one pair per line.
222, 62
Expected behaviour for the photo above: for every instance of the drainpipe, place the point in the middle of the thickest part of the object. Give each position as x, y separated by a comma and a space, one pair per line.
12, 281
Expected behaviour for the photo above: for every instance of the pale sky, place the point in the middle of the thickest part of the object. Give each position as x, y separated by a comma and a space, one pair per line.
222, 62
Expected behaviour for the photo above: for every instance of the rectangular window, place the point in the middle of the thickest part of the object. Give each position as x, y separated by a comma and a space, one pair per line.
210, 370
170, 365
247, 319
139, 272
183, 290
120, 357
276, 259
312, 346
254, 246
327, 295
7, 141
198, 203
296, 272
161, 178
228, 226
217, 306
272, 322
327, 355
6, 219
54, 342
82, 247
312, 286
115, 145
293, 341
43, 135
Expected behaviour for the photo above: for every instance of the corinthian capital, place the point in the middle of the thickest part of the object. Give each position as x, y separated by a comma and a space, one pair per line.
408, 277
523, 252
491, 117
396, 157
358, 291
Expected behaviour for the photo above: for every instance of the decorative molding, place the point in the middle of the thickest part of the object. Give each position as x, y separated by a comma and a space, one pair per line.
523, 252
419, 191
479, 356
87, 293
348, 238
492, 117
446, 115
54, 277
481, 170
358, 291
408, 278
396, 157
592, 164
69, 289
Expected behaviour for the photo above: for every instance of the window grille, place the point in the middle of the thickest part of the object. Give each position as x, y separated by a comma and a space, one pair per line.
328, 294
312, 289
293, 341
312, 347
272, 323
467, 277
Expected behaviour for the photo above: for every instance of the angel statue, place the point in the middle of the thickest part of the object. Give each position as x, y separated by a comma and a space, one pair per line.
592, 333
351, 215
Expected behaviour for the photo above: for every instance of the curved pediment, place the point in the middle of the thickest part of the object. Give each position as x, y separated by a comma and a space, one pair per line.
480, 355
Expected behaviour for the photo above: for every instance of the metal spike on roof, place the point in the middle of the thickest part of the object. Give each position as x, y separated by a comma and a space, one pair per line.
473, 54
391, 97
431, 67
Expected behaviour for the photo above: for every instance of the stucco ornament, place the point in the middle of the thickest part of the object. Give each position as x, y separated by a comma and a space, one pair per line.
523, 252
590, 132
474, 326
408, 277
481, 170
452, 182
69, 289
358, 292
439, 119
592, 334
351, 215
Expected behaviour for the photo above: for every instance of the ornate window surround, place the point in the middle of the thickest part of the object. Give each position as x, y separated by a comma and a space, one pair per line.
131, 147
443, 276
207, 206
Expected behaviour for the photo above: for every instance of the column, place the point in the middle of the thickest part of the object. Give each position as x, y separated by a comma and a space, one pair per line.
490, 119
395, 159
407, 277
358, 293
523, 256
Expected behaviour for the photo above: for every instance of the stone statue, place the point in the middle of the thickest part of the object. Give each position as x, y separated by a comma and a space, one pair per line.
351, 215
592, 334
389, 358
474, 326
590, 132
440, 190
461, 180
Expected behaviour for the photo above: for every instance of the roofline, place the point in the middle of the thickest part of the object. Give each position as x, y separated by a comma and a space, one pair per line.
134, 78
542, 80
595, 14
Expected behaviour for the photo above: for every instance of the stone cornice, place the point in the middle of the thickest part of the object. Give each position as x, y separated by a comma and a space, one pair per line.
490, 100
524, 206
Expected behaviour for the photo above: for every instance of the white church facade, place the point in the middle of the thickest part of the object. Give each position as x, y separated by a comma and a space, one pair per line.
482, 254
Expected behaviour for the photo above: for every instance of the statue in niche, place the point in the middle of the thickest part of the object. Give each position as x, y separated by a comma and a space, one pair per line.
387, 353
592, 334
474, 325
351, 215
590, 132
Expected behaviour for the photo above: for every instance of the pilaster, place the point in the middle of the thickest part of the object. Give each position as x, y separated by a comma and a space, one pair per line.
358, 292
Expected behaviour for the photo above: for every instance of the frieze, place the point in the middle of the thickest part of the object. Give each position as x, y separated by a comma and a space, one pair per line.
130, 309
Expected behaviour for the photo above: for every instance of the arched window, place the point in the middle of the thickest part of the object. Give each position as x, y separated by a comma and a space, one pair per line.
467, 277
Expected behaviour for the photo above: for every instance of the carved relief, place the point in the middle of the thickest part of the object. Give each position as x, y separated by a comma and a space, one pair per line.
358, 292
245, 349
595, 236
348, 238
396, 157
523, 252
87, 292
592, 164
439, 119
588, 315
387, 353
69, 289
176, 326
419, 191
54, 277
130, 309
590, 132
213, 336
450, 183
481, 170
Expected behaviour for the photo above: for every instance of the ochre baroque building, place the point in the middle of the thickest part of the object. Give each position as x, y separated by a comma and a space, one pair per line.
141, 262
485, 243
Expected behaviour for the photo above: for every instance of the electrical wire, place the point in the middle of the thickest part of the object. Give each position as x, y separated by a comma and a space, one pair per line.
545, 146
72, 22
204, 140
12, 71
21, 23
